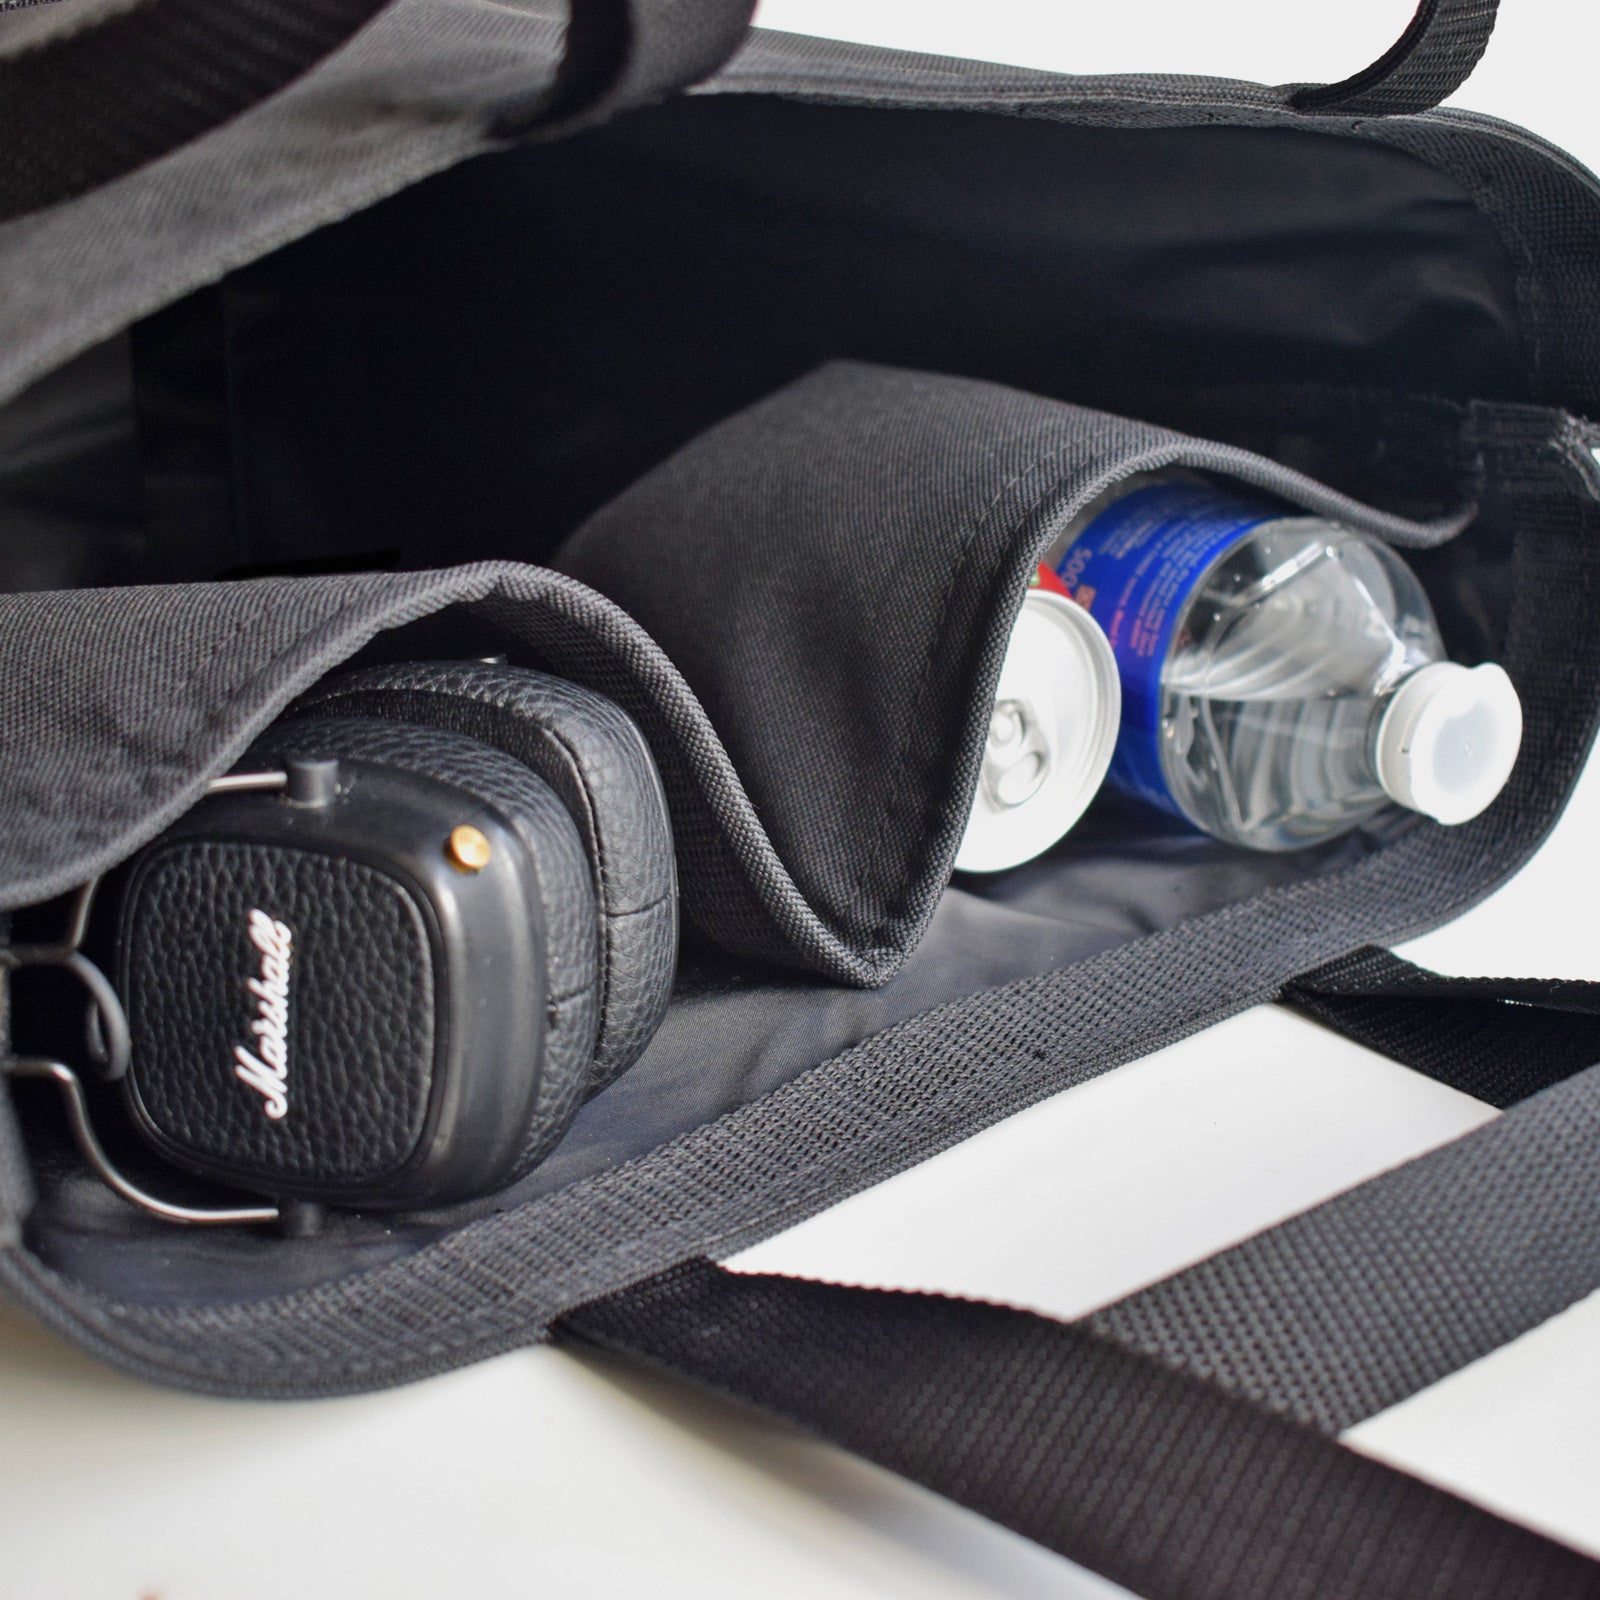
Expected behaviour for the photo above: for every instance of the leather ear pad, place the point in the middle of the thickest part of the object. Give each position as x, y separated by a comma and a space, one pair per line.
592, 754
564, 885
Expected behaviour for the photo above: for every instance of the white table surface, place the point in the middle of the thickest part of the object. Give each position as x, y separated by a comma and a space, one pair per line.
540, 1473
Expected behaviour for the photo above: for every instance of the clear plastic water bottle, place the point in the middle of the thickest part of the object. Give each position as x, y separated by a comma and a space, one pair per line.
1283, 677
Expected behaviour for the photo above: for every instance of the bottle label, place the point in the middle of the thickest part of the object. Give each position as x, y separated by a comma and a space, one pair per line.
1134, 569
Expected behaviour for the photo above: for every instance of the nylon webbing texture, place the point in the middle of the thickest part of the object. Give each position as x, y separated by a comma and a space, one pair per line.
88, 105
623, 53
1348, 1308
1497, 1039
1428, 63
1146, 1475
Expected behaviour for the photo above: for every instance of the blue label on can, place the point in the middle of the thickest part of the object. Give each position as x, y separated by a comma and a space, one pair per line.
1134, 568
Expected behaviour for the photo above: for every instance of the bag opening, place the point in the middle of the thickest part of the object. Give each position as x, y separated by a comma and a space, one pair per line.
472, 368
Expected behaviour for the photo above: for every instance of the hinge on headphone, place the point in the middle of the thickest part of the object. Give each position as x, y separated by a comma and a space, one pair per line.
109, 1046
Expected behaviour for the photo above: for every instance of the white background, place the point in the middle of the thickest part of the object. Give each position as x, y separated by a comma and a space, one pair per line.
541, 1474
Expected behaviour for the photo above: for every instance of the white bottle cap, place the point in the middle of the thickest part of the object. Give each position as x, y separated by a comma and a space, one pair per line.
1449, 738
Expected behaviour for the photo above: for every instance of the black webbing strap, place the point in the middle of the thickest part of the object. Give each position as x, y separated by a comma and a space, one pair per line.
1497, 1039
86, 105
1428, 63
1349, 1307
622, 53
1144, 1474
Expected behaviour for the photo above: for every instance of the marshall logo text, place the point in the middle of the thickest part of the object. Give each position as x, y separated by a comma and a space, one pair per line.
266, 1068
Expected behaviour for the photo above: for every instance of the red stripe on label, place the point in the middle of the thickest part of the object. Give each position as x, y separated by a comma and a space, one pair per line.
1044, 578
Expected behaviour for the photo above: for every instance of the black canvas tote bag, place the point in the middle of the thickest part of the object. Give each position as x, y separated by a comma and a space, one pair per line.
350, 331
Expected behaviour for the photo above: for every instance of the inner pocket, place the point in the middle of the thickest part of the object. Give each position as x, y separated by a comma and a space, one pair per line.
896, 515
806, 609
837, 571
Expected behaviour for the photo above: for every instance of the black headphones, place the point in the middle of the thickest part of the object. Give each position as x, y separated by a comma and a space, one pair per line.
384, 966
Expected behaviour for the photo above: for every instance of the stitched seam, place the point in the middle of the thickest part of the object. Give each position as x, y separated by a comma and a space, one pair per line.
644, 910
881, 933
568, 750
724, 804
875, 862
383, 605
217, 709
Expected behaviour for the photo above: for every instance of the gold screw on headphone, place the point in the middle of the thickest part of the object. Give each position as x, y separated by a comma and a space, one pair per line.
467, 849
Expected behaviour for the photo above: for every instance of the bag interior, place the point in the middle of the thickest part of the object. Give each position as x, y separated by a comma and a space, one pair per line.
472, 368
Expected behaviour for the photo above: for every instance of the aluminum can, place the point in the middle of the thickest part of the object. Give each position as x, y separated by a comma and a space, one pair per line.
1051, 734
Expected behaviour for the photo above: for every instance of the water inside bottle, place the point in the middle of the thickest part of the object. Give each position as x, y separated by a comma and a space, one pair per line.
1286, 650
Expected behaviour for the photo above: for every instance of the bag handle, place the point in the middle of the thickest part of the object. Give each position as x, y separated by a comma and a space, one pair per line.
1497, 1039
85, 105
1347, 1308
622, 53
1145, 1474
1427, 63
1085, 1439
88, 104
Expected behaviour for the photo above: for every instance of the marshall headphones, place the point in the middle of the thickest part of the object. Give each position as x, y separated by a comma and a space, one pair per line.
383, 963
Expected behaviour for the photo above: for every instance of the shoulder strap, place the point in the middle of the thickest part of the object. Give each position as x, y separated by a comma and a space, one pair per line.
83, 105
1427, 64
1145, 1474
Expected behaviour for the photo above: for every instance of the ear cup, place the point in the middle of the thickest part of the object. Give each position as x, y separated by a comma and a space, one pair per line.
593, 756
564, 886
